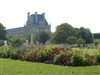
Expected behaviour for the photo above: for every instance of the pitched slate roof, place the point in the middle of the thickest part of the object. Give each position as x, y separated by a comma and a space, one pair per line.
16, 29
40, 19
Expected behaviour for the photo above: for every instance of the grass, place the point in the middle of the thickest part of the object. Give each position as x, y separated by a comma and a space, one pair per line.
17, 67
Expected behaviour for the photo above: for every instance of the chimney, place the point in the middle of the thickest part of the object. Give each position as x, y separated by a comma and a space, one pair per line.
43, 14
36, 13
28, 14
36, 17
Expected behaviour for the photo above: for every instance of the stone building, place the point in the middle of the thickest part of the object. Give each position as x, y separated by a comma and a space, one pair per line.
35, 23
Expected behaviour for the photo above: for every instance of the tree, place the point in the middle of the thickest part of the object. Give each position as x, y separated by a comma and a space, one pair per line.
62, 32
96, 42
1, 42
80, 41
42, 37
2, 32
16, 41
86, 35
29, 37
65, 30
76, 31
71, 40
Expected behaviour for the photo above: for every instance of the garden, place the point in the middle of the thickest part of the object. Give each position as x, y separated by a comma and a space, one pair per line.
68, 50
53, 54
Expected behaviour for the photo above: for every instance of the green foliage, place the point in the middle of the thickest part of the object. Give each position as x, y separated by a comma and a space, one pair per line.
86, 35
41, 56
16, 41
80, 41
63, 31
5, 51
29, 37
60, 55
71, 40
33, 56
1, 42
57, 59
14, 53
63, 59
2, 32
89, 60
42, 36
25, 55
97, 41
77, 60
98, 58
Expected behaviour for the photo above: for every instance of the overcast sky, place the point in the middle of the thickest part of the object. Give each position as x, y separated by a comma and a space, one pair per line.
86, 13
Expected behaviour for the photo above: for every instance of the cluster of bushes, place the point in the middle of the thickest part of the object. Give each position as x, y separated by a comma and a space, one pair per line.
1, 42
52, 54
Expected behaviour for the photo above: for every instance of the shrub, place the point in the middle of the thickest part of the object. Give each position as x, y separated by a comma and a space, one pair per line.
98, 59
81, 59
14, 53
77, 60
49, 56
90, 60
41, 56
16, 41
32, 56
63, 59
5, 52
25, 55
57, 59
1, 42
56, 55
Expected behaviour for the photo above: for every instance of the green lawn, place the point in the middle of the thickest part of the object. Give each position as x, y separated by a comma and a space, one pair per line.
17, 67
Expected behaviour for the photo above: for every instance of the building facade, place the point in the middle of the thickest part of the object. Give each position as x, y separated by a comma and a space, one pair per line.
35, 23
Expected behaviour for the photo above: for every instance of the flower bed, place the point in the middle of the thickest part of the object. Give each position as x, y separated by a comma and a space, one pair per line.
53, 54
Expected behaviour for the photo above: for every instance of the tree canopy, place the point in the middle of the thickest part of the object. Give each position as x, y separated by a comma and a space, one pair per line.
42, 37
2, 32
16, 41
86, 35
71, 40
65, 33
